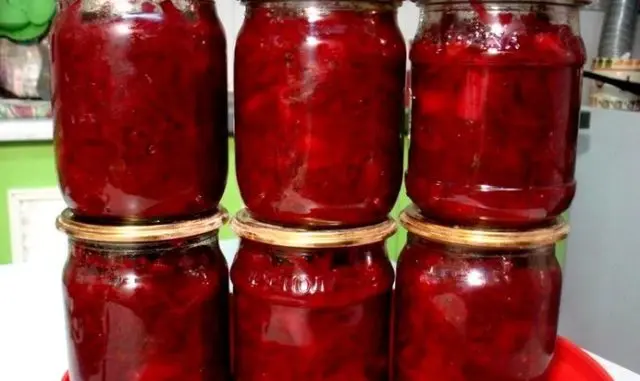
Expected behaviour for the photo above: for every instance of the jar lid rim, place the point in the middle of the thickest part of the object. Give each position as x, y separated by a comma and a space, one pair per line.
68, 223
413, 220
245, 226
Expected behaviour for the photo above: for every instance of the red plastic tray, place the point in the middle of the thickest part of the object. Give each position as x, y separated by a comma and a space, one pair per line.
570, 363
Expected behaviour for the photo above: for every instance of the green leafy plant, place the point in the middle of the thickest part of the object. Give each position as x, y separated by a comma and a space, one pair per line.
25, 20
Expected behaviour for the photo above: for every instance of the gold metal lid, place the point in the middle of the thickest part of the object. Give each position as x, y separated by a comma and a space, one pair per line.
68, 223
414, 222
247, 227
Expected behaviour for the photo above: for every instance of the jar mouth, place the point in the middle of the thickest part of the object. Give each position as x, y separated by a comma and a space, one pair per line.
68, 223
247, 227
413, 220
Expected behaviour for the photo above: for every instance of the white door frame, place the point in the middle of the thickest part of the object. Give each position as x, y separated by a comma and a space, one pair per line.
17, 198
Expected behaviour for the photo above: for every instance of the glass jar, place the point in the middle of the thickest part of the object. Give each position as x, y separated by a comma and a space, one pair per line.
496, 97
319, 111
146, 303
476, 305
140, 108
311, 305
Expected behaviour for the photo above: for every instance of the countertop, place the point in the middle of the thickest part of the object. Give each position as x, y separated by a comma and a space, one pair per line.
32, 340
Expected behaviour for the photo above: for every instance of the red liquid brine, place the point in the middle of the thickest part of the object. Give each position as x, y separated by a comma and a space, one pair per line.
472, 313
154, 311
140, 106
496, 98
319, 111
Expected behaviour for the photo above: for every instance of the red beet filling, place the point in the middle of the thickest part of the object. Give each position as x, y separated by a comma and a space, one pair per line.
140, 105
311, 314
319, 111
157, 313
495, 114
467, 314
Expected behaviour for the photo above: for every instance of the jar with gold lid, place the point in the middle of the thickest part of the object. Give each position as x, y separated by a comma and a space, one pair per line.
474, 304
311, 305
146, 302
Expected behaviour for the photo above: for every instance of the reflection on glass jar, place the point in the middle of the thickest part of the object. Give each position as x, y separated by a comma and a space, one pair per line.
319, 110
146, 303
140, 107
476, 305
496, 98
315, 306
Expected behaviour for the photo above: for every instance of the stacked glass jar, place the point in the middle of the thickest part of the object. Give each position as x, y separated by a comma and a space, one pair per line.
140, 109
496, 90
496, 96
311, 305
319, 106
475, 304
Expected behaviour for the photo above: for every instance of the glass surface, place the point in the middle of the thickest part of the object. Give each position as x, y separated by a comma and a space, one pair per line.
153, 312
311, 314
469, 314
140, 108
319, 110
496, 98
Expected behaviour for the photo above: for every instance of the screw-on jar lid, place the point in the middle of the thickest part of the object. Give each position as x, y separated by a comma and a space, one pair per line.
68, 223
414, 222
247, 227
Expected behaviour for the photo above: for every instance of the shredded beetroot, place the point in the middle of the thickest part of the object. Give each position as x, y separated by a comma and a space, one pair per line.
495, 116
311, 314
465, 314
319, 112
158, 313
140, 104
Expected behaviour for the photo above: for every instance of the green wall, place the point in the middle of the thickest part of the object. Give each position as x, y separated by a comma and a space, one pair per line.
22, 165
30, 165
